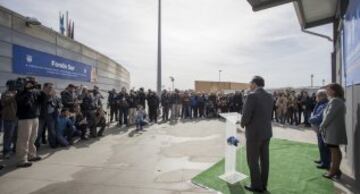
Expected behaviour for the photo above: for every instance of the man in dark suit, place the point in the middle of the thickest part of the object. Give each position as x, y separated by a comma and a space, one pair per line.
256, 119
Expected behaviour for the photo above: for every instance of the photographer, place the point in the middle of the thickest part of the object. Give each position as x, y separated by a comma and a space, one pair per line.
28, 103
68, 97
9, 108
65, 128
153, 104
48, 113
100, 121
89, 109
81, 123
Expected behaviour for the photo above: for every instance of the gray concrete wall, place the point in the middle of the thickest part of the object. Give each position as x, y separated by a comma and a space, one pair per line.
13, 30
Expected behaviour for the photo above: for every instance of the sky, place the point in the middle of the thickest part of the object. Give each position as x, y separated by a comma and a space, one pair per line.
199, 38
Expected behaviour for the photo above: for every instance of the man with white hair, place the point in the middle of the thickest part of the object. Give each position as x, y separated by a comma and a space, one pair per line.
315, 121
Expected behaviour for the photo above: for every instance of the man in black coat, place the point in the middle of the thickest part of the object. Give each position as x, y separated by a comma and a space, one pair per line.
28, 104
165, 103
238, 101
256, 119
308, 105
201, 104
141, 96
112, 105
122, 100
153, 103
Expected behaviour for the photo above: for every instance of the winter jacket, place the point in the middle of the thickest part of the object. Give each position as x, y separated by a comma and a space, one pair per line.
9, 106
317, 115
28, 104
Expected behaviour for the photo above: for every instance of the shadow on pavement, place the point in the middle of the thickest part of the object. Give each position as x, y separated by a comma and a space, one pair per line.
47, 152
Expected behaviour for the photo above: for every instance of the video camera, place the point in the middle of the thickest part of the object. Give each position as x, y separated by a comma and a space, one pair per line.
20, 83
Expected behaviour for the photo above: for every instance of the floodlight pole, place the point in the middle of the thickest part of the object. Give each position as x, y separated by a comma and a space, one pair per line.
159, 52
220, 75
172, 79
312, 80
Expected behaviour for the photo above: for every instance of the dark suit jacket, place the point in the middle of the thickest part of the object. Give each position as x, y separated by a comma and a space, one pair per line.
257, 113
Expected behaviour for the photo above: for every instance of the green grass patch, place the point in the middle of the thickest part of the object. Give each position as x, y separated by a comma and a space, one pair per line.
291, 171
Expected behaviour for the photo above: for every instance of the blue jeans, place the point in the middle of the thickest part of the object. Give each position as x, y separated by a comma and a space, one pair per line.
9, 130
65, 139
140, 123
325, 155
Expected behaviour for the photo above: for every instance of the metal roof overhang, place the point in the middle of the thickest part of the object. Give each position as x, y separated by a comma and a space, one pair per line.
310, 13
258, 5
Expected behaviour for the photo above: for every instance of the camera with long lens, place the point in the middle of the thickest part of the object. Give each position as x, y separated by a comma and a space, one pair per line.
20, 83
16, 84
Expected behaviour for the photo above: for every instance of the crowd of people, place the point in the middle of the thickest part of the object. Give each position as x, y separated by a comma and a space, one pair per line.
34, 115
292, 108
170, 105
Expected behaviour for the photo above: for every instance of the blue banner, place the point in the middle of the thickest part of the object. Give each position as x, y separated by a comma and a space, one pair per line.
351, 43
36, 63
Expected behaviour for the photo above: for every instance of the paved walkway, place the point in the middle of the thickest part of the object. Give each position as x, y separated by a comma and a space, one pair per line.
162, 160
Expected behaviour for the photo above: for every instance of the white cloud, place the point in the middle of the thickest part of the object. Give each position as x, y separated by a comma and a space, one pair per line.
199, 38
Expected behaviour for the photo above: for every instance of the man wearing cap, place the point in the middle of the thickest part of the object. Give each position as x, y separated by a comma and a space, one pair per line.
256, 119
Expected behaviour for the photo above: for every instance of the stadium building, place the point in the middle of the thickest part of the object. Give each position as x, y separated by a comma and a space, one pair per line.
28, 48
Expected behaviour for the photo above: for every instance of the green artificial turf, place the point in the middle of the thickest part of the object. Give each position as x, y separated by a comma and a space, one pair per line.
292, 170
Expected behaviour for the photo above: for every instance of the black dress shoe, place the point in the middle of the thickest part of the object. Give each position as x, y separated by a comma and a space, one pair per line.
24, 165
337, 175
35, 159
322, 167
251, 189
317, 161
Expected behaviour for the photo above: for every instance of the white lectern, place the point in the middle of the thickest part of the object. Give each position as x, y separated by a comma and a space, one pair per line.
231, 175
